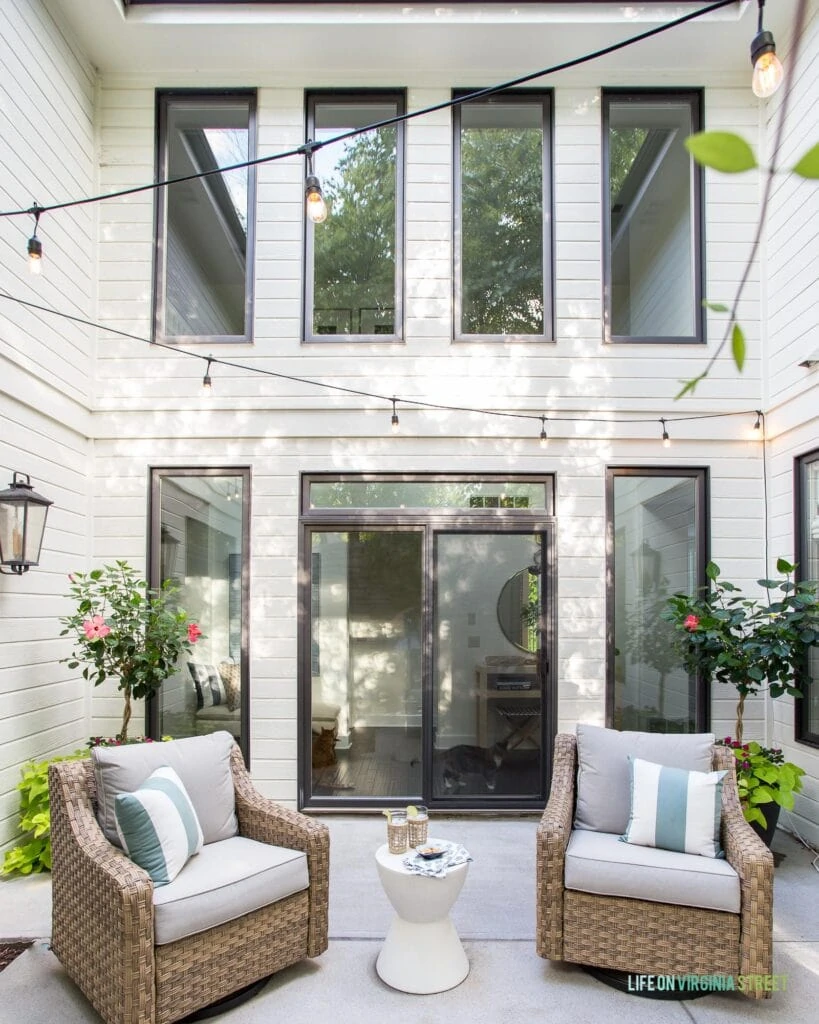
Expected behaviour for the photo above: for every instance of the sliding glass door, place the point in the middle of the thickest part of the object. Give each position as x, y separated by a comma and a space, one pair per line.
426, 621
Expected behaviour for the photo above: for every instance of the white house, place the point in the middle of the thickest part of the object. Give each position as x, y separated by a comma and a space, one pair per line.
528, 266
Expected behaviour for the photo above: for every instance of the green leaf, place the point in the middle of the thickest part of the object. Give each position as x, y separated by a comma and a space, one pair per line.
724, 151
715, 307
808, 165
689, 386
712, 570
784, 566
738, 346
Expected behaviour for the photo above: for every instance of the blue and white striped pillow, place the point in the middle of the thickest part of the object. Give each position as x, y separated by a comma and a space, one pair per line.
674, 809
158, 825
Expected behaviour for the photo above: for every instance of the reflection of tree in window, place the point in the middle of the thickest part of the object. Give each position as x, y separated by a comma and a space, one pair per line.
502, 230
355, 247
624, 145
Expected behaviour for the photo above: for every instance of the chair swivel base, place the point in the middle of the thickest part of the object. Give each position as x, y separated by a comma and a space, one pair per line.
228, 1003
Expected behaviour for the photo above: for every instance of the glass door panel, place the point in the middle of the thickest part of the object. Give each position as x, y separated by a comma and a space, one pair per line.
201, 546
487, 693
366, 605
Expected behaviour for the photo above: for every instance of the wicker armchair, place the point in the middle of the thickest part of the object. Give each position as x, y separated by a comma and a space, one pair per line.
643, 937
103, 915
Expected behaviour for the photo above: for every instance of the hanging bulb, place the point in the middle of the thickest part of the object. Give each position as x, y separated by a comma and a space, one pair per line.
758, 424
666, 438
768, 71
207, 383
394, 421
35, 246
544, 437
35, 254
314, 200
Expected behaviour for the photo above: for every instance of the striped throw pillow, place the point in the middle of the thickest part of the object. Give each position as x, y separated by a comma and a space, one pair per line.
674, 809
158, 825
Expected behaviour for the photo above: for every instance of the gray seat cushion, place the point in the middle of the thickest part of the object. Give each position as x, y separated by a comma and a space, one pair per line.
201, 762
603, 778
226, 880
600, 863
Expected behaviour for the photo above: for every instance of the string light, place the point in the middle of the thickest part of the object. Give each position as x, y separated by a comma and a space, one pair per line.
394, 421
207, 383
418, 403
768, 70
315, 206
396, 119
544, 438
666, 438
35, 246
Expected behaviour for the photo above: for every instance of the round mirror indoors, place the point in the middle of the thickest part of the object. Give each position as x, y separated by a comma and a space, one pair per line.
518, 607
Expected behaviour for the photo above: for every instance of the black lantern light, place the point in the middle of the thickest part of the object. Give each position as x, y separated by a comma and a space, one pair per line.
22, 524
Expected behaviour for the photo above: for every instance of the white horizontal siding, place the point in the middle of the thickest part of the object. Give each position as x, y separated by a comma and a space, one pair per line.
47, 154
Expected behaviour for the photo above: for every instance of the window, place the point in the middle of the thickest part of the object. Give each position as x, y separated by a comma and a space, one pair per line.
656, 522
353, 259
203, 283
652, 217
503, 217
199, 540
807, 557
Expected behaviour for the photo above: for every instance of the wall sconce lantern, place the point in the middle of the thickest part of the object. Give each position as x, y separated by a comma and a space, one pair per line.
22, 524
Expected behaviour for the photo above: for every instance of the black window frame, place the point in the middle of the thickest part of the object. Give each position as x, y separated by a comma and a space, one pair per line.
701, 474
802, 521
546, 99
695, 100
153, 546
163, 98
385, 95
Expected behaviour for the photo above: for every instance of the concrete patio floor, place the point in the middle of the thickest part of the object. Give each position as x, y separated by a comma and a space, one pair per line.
494, 916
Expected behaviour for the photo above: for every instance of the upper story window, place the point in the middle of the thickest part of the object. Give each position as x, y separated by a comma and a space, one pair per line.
203, 283
652, 230
503, 264
807, 557
353, 259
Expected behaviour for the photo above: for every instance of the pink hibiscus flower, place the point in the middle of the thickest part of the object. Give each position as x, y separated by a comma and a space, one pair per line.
194, 632
691, 622
95, 628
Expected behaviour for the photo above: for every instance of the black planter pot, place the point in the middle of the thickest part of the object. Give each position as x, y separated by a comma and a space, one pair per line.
771, 812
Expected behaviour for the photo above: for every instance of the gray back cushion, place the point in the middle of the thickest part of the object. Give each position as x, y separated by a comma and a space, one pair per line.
201, 762
603, 781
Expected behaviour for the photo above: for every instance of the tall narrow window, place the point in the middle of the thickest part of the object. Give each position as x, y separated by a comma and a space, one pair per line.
656, 549
205, 226
199, 540
503, 217
353, 259
807, 556
652, 220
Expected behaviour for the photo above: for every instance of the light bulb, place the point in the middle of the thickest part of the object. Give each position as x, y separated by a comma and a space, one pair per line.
35, 255
315, 205
394, 424
544, 437
768, 75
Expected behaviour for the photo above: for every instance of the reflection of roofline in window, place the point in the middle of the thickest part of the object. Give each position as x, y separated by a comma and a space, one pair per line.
203, 159
643, 169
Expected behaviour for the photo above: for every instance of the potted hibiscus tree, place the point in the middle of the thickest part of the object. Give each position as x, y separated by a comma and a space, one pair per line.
754, 645
126, 631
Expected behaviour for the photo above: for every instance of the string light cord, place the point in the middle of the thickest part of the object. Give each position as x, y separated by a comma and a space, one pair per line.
418, 403
799, 24
308, 148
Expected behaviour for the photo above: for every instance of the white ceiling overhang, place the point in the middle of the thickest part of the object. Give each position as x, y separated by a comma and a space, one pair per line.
394, 43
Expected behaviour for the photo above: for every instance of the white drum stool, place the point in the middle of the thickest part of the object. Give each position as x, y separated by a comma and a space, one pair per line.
422, 952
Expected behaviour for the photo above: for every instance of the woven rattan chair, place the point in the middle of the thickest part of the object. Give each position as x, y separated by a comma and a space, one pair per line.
645, 937
103, 915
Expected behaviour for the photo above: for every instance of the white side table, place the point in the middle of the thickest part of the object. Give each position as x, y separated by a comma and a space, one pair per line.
422, 952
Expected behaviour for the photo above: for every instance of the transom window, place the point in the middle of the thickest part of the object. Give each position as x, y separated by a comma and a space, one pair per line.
503, 217
353, 259
652, 221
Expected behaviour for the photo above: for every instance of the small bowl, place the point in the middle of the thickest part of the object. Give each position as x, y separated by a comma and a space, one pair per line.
430, 852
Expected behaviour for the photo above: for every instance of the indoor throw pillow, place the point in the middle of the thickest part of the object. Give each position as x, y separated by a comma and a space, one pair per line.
674, 809
158, 825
